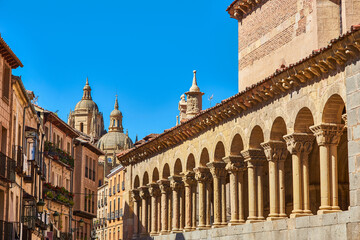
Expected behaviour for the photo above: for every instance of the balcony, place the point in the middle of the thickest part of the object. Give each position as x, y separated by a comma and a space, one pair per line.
7, 169
58, 154
8, 230
19, 159
58, 194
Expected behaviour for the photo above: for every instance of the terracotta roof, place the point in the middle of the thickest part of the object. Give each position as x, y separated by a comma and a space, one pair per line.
338, 52
239, 9
54, 119
9, 55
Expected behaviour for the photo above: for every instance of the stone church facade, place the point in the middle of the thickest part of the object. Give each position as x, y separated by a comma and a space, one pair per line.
278, 160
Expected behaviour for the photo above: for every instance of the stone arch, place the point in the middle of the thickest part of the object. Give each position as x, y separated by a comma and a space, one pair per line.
177, 167
304, 119
256, 138
190, 163
166, 171
136, 182
237, 145
145, 179
219, 152
278, 129
155, 175
333, 110
204, 157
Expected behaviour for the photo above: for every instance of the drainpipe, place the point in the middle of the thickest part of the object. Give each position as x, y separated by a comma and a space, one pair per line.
21, 185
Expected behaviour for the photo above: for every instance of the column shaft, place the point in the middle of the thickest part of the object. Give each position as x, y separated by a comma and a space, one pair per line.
136, 219
143, 216
223, 201
260, 198
241, 195
175, 211
252, 192
297, 198
234, 197
208, 203
217, 203
282, 212
334, 178
324, 178
273, 189
188, 208
153, 216
193, 211
164, 213
306, 192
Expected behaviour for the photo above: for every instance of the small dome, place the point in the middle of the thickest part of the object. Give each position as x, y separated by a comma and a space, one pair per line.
115, 113
86, 104
115, 140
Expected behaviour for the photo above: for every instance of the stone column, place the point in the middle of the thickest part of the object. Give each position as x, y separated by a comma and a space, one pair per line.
299, 145
144, 194
209, 200
254, 159
165, 189
158, 214
235, 164
194, 206
136, 200
328, 137
241, 194
276, 153
218, 172
201, 175
154, 193
189, 181
176, 185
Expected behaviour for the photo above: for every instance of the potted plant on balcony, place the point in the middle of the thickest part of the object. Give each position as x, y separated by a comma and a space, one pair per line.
49, 195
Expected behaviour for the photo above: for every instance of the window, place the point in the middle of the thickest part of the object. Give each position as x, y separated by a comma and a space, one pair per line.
3, 140
19, 135
54, 139
85, 200
57, 140
6, 82
47, 133
86, 166
81, 127
68, 148
94, 167
93, 201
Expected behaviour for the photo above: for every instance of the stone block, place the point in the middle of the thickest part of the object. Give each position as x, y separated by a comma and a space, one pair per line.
302, 222
352, 230
315, 233
330, 219
351, 84
343, 217
268, 226
258, 227
354, 148
338, 231
291, 223
356, 132
248, 227
279, 235
302, 234
280, 224
353, 100
355, 214
352, 117
352, 163
316, 220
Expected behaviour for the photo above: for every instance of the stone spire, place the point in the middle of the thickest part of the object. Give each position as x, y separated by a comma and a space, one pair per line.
116, 106
194, 87
194, 99
87, 90
116, 118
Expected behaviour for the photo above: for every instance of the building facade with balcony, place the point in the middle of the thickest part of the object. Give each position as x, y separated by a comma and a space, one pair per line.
58, 173
85, 187
116, 207
101, 222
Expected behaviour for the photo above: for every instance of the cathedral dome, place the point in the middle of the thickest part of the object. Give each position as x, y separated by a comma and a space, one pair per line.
86, 104
114, 140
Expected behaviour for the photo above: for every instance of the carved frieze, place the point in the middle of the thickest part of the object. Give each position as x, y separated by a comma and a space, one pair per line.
327, 133
299, 142
275, 150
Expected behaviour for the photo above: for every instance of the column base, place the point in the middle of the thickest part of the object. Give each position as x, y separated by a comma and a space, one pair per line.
176, 231
327, 211
295, 215
203, 227
236, 222
188, 229
274, 218
224, 223
164, 232
217, 225
253, 221
154, 234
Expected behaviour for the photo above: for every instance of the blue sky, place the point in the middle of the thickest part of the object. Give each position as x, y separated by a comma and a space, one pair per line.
144, 51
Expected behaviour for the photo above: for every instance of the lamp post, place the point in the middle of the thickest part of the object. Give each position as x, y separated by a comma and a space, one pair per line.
56, 216
40, 206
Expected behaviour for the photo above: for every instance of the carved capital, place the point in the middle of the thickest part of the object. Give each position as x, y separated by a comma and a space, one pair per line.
217, 169
144, 192
344, 117
164, 186
327, 133
275, 150
299, 142
176, 183
254, 157
154, 190
234, 163
202, 174
135, 195
189, 178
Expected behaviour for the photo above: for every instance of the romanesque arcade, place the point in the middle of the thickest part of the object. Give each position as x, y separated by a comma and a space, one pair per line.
289, 166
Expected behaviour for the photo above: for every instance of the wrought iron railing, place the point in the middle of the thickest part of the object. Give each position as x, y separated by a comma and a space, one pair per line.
7, 169
18, 158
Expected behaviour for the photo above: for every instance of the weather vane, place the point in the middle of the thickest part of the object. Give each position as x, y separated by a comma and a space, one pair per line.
210, 98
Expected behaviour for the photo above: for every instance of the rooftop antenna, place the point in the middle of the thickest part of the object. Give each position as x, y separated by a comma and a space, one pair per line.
210, 98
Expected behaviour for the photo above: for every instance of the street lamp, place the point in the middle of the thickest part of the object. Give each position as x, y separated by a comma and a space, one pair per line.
81, 223
56, 216
40, 206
